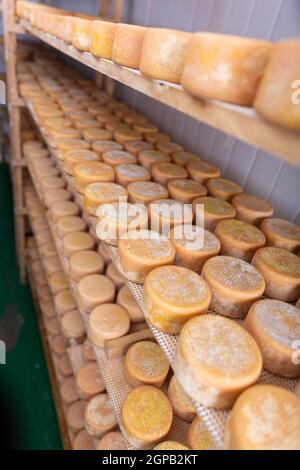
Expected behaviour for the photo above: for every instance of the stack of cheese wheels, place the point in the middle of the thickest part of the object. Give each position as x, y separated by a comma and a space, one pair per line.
162, 173
223, 189
99, 416
115, 220
68, 391
127, 45
282, 234
64, 302
115, 276
146, 416
107, 321
280, 73
141, 251
75, 416
147, 158
126, 174
102, 38
89, 381
126, 300
74, 157
145, 363
84, 263
209, 53
185, 190
234, 283
173, 295
194, 245
215, 360
239, 239
171, 445
181, 402
102, 146
92, 172
210, 210
93, 290
146, 192
118, 157
167, 213
137, 146
275, 325
281, 271
264, 417
83, 441
103, 193
251, 209
198, 438
202, 171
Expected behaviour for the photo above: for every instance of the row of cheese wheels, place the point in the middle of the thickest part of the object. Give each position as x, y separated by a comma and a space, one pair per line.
253, 68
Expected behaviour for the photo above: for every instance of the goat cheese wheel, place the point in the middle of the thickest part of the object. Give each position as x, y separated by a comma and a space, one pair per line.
64, 302
63, 133
118, 157
281, 234
126, 300
75, 416
129, 173
281, 272
51, 265
145, 364
146, 416
215, 360
99, 416
137, 146
169, 147
141, 251
171, 445
112, 441
198, 438
56, 123
252, 209
202, 171
156, 137
93, 290
115, 276
103, 34
173, 295
210, 210
167, 213
162, 173
74, 157
163, 53
107, 321
83, 441
89, 381
146, 192
224, 67
68, 391
63, 209
103, 193
92, 172
126, 135
88, 351
264, 417
223, 189
185, 190
94, 133
76, 241
102, 146
81, 34
145, 127
183, 158
69, 224
86, 262
72, 326
57, 282
127, 45
64, 366
235, 285
64, 145
180, 401
104, 253
147, 158
52, 326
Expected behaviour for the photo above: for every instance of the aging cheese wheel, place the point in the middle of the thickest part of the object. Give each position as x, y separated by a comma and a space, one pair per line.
47, 309
118, 157
68, 391
63, 209
185, 190
264, 417
215, 360
132, 117
137, 146
180, 401
167, 213
202, 171
275, 325
173, 295
223, 189
55, 195
42, 237
147, 158
83, 441
81, 34
84, 263
171, 445
213, 209
145, 364
103, 193
78, 115
92, 172
103, 33
126, 300
169, 147
198, 438
103, 251
64, 366
74, 157
107, 321
64, 145
112, 441
55, 123
146, 192
129, 173
239, 239
73, 326
127, 45
39, 224
234, 283
126, 135
281, 271
57, 282
52, 326
75, 416
274, 98
194, 245
156, 137
145, 127
51, 264
115, 276
69, 224
89, 381
87, 351
224, 67
164, 172
184, 158
44, 172
282, 234
251, 209
64, 133
64, 302
99, 416
94, 133
163, 53
102, 146
94, 290
77, 241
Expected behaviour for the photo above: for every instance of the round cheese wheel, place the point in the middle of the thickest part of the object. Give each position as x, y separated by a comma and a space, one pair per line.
180, 401
209, 56
81, 34
92, 172
72, 325
132, 117
173, 295
146, 192
57, 282
103, 193
47, 309
47, 112
103, 34
171, 445
112, 440
156, 137
215, 360
145, 127
198, 438
135, 147
44, 172
64, 145
194, 246
76, 241
163, 53
185, 190
87, 351
264, 417
52, 265
169, 147
167, 213
52, 326
64, 302
63, 133
68, 391
94, 290
42, 237
145, 363
69, 224
126, 174
281, 272
202, 171
93, 134
103, 251
184, 158
58, 345
146, 416
251, 209
75, 416
147, 158
99, 416
107, 321
83, 441
164, 172
39, 223
102, 146
127, 135
223, 189
212, 210
63, 209
64, 366
127, 45
84, 263
89, 381
234, 283
115, 276
126, 300
282, 234
74, 157
56, 195
113, 124
118, 157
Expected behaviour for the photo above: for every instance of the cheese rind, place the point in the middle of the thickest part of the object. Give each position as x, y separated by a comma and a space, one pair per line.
69, 224
75, 416
81, 34
72, 326
115, 276
112, 441
163, 173
281, 234
127, 45
147, 158
129, 173
83, 441
214, 210
167, 213
118, 157
251, 209
107, 321
84, 263
68, 391
185, 190
202, 171
75, 157
76, 241
146, 192
223, 189
180, 401
102, 38
89, 381
64, 302
92, 172
93, 290
103, 193
171, 445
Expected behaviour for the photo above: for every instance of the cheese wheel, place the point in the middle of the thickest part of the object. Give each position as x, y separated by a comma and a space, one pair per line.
107, 321
102, 146
76, 241
43, 172
118, 157
81, 34
103, 193
145, 364
156, 137
52, 264
269, 418
212, 210
146, 192
112, 441
171, 445
92, 172
64, 366
64, 133
43, 237
44, 112
132, 117
123, 135
129, 173
163, 53
239, 239
280, 107
63, 209
185, 190
164, 172
47, 309
184, 158
234, 283
282, 234
145, 127
97, 108
223, 189
104, 253
180, 401
69, 224
135, 147
99, 416
103, 34
146, 416
74, 157
89, 381
94, 290
127, 45
64, 145
88, 123
84, 263
39, 224
57, 282
169, 147
126, 300
251, 209
194, 246
52, 326
72, 325
56, 123
275, 326
147, 158
202, 171
58, 345
78, 115
68, 391
215, 379
173, 295
167, 213
55, 195
83, 441
198, 438
93, 133
281, 272
115, 276
87, 351
64, 302
75, 416
112, 122
209, 57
